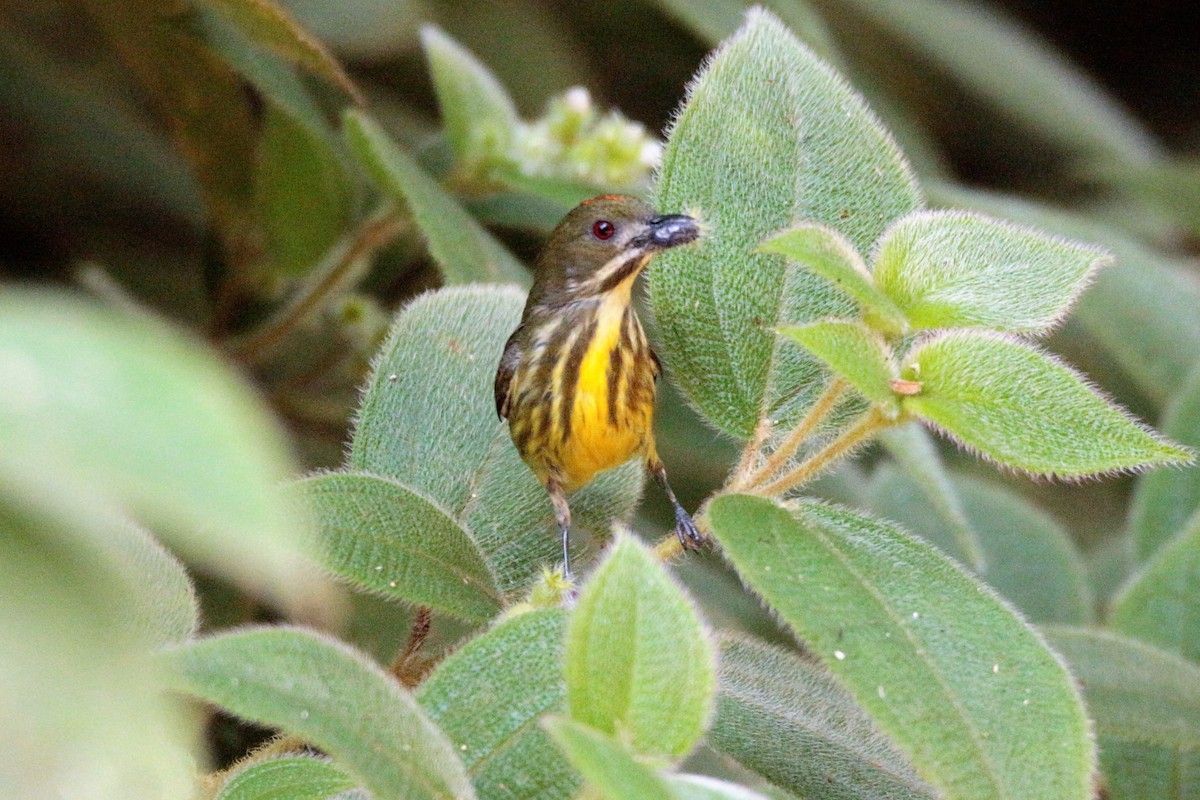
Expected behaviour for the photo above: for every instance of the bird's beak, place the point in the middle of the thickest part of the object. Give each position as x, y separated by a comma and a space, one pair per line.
669, 230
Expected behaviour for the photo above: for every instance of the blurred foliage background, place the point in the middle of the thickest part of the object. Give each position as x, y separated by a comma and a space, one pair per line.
159, 161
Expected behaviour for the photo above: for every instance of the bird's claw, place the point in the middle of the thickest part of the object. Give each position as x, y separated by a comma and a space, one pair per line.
685, 528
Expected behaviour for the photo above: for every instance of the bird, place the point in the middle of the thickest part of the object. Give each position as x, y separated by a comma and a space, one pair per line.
577, 378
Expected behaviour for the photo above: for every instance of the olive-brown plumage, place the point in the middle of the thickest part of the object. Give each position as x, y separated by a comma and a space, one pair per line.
577, 378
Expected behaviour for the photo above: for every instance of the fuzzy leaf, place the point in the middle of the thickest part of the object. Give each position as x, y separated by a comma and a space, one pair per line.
941, 664
768, 134
605, 763
1143, 313
388, 539
704, 787
78, 693
488, 697
916, 454
1017, 406
1164, 499
264, 22
852, 351
826, 252
162, 602
477, 112
1161, 604
428, 421
787, 720
304, 194
638, 660
333, 697
1146, 708
463, 250
157, 425
1027, 556
955, 269
287, 778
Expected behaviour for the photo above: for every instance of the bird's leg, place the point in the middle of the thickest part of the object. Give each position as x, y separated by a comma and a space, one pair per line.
685, 528
562, 514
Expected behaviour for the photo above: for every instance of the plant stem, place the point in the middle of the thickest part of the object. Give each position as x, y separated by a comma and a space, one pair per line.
868, 425
402, 668
816, 414
330, 275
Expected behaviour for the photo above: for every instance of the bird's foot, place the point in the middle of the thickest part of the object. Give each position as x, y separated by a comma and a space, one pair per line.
685, 528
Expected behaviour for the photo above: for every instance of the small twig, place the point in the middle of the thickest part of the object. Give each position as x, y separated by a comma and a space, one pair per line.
402, 668
750, 452
875, 420
339, 262
788, 448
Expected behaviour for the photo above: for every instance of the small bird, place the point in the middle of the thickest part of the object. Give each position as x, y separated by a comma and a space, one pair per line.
577, 378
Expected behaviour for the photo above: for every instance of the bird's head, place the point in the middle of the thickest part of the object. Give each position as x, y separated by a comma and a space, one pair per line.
604, 243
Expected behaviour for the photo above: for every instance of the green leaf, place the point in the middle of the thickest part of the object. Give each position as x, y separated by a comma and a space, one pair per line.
826, 252
852, 351
303, 191
82, 703
1027, 556
768, 134
1164, 499
428, 421
287, 778
1145, 704
1161, 604
1021, 408
605, 763
488, 697
1143, 313
162, 603
156, 424
915, 453
638, 660
955, 269
264, 22
333, 697
477, 112
388, 539
945, 668
464, 251
774, 709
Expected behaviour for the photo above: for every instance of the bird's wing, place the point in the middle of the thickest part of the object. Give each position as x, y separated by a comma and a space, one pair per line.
505, 374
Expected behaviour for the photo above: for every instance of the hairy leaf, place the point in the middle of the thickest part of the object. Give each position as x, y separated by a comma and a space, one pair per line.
156, 424
789, 721
477, 112
827, 253
916, 455
852, 351
1164, 499
1145, 704
605, 762
1019, 407
1026, 555
464, 251
1161, 604
287, 778
488, 698
428, 420
955, 269
945, 668
162, 603
333, 697
386, 538
638, 660
768, 134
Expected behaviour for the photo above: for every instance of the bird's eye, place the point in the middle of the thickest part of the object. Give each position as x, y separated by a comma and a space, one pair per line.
603, 229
